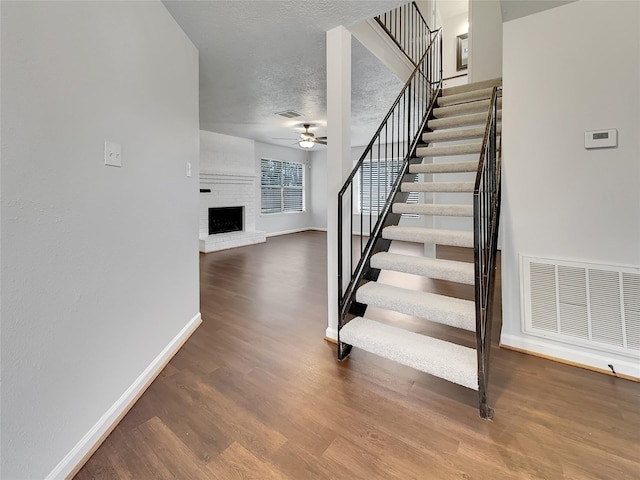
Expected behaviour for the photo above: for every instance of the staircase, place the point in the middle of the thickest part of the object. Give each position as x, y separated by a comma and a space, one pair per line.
457, 126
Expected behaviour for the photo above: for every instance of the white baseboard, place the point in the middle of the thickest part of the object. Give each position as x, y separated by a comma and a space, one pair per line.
295, 230
593, 360
80, 453
331, 333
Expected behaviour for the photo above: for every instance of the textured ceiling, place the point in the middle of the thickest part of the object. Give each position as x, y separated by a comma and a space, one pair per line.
262, 57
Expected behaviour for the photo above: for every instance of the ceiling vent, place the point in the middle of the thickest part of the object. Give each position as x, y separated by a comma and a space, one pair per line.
289, 114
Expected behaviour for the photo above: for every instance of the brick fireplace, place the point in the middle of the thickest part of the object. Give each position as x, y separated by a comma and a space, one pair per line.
230, 193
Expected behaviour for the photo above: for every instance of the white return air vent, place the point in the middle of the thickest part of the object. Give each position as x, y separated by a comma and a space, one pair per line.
596, 306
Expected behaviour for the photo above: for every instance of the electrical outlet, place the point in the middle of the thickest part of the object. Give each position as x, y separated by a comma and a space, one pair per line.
188, 169
112, 154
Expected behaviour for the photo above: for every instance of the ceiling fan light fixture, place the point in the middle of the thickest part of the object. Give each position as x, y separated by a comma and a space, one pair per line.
306, 143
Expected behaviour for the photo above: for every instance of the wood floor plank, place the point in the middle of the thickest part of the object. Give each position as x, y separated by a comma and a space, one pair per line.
169, 457
299, 462
238, 463
257, 393
242, 425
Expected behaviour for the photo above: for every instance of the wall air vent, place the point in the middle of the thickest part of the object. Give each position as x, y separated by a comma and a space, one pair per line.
289, 114
596, 306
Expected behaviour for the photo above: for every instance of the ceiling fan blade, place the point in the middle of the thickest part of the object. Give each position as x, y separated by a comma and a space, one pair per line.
321, 142
324, 139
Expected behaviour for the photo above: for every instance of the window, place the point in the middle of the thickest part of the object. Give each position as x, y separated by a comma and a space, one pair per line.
282, 186
376, 182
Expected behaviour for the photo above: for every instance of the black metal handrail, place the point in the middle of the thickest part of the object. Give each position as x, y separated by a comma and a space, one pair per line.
486, 217
390, 150
408, 29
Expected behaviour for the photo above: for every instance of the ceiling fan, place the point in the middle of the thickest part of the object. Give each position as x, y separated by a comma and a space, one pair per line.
308, 139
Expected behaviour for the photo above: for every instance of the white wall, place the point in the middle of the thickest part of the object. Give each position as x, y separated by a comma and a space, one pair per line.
277, 223
318, 188
560, 200
99, 264
485, 40
451, 28
227, 154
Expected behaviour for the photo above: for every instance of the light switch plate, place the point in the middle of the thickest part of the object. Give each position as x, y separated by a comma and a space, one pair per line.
601, 138
112, 154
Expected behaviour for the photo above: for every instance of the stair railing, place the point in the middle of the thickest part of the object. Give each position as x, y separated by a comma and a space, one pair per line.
486, 216
388, 153
408, 29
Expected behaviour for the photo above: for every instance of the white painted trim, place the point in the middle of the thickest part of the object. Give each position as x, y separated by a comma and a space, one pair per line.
319, 229
331, 333
565, 353
287, 232
339, 161
87, 445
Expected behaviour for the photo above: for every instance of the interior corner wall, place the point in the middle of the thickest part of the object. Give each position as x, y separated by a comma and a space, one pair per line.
560, 200
485, 40
99, 263
281, 223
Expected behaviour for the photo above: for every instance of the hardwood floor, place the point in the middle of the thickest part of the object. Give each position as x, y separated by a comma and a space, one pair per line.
257, 394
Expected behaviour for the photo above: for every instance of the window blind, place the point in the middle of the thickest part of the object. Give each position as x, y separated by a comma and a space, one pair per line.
282, 186
376, 181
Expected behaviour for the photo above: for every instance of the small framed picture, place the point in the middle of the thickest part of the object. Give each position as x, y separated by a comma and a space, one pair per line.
462, 52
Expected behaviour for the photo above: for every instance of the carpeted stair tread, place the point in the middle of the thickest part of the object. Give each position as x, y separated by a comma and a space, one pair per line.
452, 187
494, 82
480, 94
460, 121
455, 134
455, 238
451, 311
441, 151
449, 270
457, 167
464, 108
446, 360
433, 209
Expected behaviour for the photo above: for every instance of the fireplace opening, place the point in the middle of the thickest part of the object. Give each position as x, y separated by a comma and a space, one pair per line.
225, 219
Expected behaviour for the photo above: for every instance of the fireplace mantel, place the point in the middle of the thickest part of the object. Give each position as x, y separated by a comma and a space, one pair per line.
228, 178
